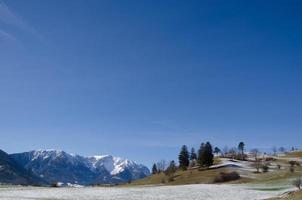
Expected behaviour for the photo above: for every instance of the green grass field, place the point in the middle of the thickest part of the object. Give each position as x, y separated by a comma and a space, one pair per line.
190, 176
193, 176
294, 154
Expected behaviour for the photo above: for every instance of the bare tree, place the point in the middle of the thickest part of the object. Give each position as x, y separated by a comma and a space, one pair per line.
255, 153
274, 151
257, 164
298, 183
161, 165
170, 171
225, 151
282, 149
232, 152
265, 167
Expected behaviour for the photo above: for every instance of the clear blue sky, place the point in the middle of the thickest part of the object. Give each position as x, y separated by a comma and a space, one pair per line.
138, 79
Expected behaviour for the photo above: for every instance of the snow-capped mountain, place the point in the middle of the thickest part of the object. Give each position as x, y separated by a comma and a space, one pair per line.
116, 165
13, 173
59, 166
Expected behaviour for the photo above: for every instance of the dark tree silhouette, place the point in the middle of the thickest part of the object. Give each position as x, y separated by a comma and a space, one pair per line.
154, 169
183, 158
217, 150
209, 159
205, 155
241, 146
200, 158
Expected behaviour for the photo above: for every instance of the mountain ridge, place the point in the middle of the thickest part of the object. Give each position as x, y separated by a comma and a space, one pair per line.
59, 166
13, 173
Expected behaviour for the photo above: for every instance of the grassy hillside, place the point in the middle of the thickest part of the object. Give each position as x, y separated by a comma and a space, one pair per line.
282, 176
294, 154
191, 176
278, 178
297, 195
274, 177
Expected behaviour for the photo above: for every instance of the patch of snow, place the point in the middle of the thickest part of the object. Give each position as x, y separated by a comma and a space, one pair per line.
59, 184
196, 192
74, 185
242, 165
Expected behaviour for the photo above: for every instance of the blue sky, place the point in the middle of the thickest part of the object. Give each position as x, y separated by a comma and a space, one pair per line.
138, 79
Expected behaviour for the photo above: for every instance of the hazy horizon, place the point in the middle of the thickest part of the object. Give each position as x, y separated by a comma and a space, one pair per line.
138, 79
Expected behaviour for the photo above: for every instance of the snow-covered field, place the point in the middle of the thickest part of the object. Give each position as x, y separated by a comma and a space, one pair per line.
190, 192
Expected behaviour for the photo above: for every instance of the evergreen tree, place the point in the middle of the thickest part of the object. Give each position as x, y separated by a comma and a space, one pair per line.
193, 155
171, 169
241, 146
201, 156
183, 158
209, 157
205, 155
217, 150
154, 169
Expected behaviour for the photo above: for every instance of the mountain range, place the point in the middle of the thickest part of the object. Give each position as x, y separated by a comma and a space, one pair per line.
13, 173
52, 166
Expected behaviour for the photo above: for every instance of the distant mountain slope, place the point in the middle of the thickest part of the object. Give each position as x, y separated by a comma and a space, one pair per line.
13, 173
59, 166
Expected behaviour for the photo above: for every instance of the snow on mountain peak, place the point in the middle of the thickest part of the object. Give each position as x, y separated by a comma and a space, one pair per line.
102, 157
57, 165
113, 165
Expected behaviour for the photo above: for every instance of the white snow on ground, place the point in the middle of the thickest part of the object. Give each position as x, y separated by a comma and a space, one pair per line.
191, 192
242, 165
225, 162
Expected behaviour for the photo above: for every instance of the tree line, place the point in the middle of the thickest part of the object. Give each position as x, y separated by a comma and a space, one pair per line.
204, 157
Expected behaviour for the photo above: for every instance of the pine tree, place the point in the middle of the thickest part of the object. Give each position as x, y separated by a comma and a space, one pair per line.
201, 156
171, 169
217, 150
205, 155
209, 157
241, 149
193, 155
183, 158
154, 169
